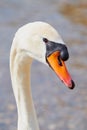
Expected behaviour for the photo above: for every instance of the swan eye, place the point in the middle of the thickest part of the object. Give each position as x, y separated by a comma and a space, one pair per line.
45, 40
59, 61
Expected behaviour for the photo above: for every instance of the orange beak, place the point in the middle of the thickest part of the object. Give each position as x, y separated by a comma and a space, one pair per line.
60, 69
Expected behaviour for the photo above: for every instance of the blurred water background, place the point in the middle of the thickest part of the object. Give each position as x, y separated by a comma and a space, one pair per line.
58, 108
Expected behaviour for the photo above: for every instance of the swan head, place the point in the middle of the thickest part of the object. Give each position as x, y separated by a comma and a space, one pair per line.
56, 55
42, 42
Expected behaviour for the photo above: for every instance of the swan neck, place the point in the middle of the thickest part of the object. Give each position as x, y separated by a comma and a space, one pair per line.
20, 74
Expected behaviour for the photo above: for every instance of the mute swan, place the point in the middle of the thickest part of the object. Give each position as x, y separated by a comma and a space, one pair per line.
37, 40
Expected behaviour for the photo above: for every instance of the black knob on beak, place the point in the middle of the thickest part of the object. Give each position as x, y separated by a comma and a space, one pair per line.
64, 53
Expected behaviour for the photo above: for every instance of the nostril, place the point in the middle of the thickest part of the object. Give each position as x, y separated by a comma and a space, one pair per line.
59, 61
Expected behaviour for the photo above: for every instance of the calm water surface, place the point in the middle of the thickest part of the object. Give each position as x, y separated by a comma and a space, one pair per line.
57, 107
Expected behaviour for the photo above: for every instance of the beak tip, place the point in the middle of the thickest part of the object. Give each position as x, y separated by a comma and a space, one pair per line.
72, 86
